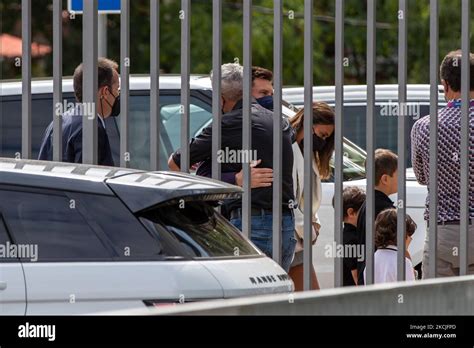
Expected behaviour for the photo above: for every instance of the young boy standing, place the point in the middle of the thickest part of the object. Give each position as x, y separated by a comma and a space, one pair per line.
352, 199
385, 163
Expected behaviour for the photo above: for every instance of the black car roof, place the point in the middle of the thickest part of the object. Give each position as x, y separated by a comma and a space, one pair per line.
138, 189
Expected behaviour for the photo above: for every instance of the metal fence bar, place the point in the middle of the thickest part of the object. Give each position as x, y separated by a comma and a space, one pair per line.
102, 35
308, 144
185, 72
402, 137
465, 136
247, 120
26, 79
433, 142
216, 86
277, 126
89, 83
124, 81
57, 79
370, 210
155, 85
339, 138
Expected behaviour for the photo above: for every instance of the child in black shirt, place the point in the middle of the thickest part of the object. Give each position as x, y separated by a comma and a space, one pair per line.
352, 199
386, 183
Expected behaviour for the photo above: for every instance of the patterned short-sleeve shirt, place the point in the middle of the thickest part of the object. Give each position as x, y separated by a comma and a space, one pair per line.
449, 159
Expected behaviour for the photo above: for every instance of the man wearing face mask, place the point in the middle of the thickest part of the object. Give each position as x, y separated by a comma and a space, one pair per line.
200, 151
108, 100
262, 87
448, 189
262, 92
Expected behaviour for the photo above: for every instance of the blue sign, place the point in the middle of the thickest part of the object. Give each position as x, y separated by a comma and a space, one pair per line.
105, 6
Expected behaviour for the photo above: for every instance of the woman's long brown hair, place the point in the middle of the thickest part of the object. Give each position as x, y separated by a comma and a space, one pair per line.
322, 114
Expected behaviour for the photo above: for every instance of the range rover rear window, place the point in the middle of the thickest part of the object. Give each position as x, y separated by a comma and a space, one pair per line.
196, 230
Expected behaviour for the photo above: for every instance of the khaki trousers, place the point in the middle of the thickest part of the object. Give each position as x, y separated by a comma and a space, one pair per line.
447, 258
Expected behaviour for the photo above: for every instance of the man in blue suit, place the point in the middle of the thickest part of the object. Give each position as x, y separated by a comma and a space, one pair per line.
108, 99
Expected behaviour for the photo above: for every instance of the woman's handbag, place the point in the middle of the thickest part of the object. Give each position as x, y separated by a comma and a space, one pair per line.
314, 237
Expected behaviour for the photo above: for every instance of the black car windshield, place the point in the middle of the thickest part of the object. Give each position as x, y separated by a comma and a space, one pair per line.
196, 230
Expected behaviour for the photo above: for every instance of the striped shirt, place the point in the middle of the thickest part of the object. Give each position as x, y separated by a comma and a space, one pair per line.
449, 159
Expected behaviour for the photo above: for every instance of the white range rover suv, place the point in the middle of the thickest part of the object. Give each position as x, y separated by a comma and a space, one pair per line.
78, 239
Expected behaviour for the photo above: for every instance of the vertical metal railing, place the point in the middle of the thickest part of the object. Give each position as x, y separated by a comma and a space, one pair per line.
247, 120
433, 142
102, 35
185, 16
26, 79
57, 79
277, 126
338, 138
89, 83
465, 137
308, 144
155, 85
402, 137
124, 81
370, 170
216, 86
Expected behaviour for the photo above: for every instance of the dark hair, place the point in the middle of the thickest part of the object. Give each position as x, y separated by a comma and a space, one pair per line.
352, 197
261, 73
450, 70
385, 162
386, 228
322, 114
105, 74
